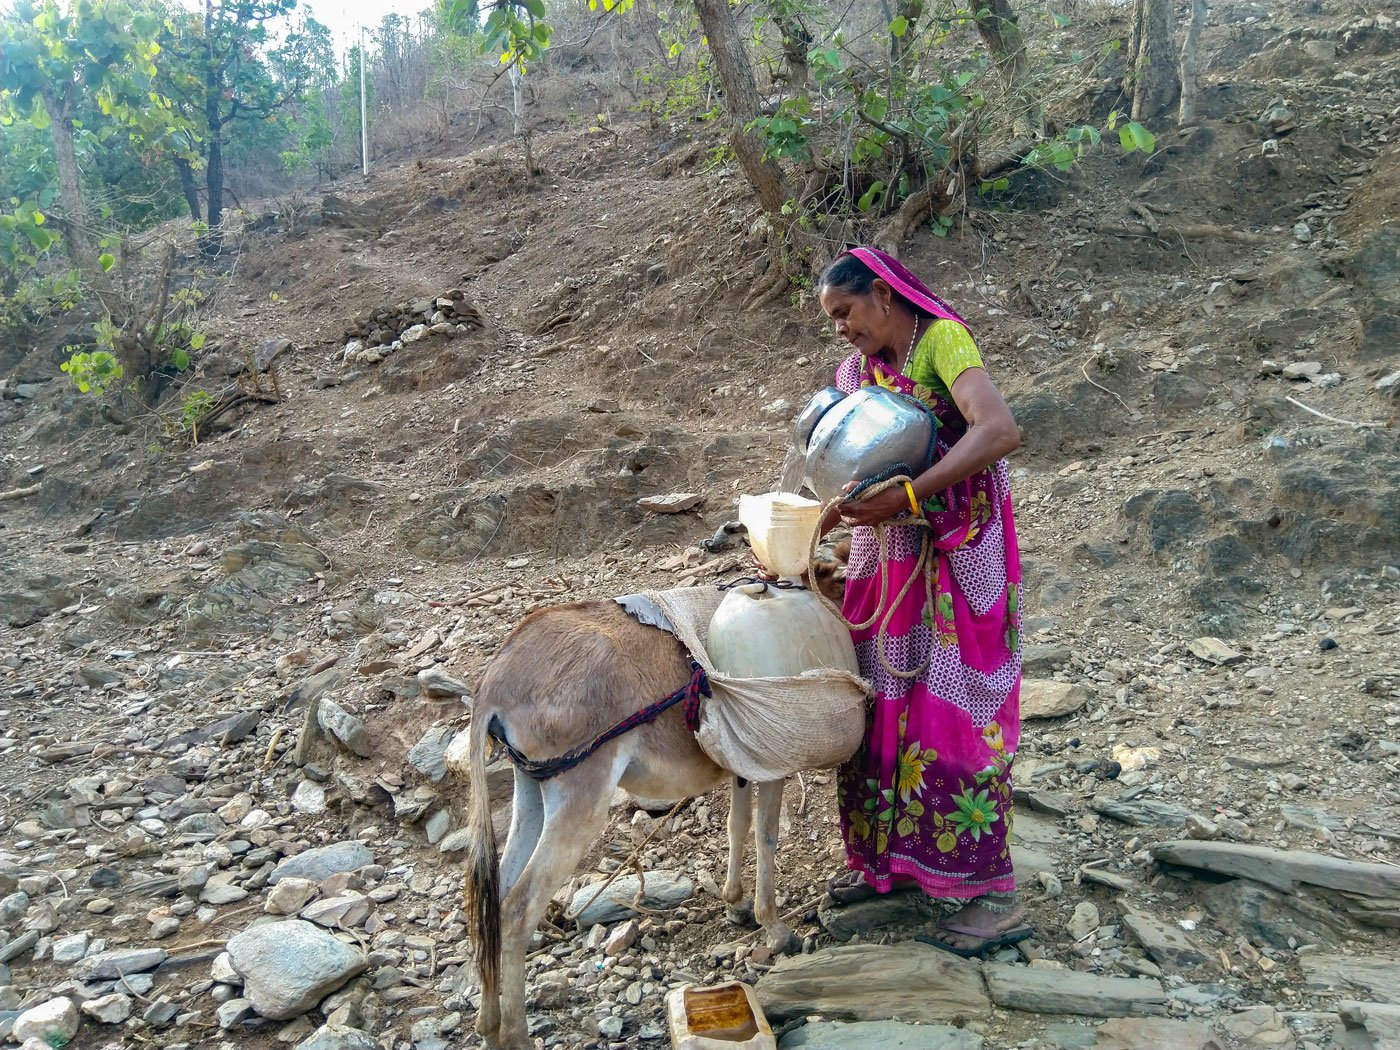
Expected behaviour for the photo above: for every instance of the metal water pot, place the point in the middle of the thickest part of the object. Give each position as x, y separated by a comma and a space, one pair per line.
856, 436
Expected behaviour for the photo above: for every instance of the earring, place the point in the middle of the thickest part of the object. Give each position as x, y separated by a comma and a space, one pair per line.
887, 308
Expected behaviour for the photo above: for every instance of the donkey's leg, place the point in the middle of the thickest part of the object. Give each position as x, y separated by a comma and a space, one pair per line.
765, 897
740, 820
526, 822
575, 807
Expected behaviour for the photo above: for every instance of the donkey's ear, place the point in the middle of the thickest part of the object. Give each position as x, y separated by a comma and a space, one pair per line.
842, 551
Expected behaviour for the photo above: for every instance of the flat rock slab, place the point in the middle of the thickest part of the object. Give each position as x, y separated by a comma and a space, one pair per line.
1166, 944
1214, 651
1372, 890
1378, 976
886, 1035
866, 982
1044, 699
1268, 917
1137, 1033
893, 911
1381, 1022
1143, 812
1050, 991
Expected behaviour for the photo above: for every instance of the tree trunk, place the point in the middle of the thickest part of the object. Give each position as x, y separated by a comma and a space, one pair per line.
77, 234
998, 27
517, 109
214, 167
796, 43
741, 103
1153, 78
1190, 64
188, 186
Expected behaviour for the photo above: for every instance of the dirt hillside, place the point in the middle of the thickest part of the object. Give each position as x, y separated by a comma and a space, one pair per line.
1201, 349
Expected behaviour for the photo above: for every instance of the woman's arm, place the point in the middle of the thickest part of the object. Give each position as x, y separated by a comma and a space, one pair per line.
991, 434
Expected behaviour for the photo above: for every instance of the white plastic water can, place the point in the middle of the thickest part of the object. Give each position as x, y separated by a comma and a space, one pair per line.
762, 631
780, 527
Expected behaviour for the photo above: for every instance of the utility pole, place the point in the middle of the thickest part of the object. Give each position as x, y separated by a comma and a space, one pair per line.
364, 122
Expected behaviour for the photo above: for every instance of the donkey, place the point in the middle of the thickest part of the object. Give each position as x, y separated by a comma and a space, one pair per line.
563, 676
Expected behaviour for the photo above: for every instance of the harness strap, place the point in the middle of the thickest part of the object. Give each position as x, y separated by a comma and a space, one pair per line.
698, 686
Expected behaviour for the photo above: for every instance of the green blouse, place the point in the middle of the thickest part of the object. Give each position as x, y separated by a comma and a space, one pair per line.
945, 352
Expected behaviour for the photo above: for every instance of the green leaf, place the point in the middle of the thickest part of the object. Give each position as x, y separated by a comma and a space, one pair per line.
899, 26
535, 7
106, 261
197, 340
1142, 138
1060, 20
868, 197
41, 239
179, 359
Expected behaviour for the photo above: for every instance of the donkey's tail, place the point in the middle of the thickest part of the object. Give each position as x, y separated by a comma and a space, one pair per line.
483, 881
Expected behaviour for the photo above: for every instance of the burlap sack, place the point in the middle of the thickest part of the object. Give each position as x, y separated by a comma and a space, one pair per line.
766, 729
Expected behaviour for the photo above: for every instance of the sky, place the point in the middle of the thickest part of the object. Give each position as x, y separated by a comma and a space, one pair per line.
344, 17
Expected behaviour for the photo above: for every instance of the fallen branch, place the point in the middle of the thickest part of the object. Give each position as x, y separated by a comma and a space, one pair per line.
19, 493
1332, 419
1083, 368
1188, 230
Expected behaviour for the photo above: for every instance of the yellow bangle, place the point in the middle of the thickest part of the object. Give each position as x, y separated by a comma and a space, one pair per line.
913, 500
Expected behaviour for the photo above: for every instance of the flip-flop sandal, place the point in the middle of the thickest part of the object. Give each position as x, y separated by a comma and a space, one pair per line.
991, 939
850, 887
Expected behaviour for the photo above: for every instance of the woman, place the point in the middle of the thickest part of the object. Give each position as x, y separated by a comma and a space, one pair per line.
926, 803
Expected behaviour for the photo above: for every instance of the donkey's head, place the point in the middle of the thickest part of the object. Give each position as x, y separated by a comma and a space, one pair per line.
828, 571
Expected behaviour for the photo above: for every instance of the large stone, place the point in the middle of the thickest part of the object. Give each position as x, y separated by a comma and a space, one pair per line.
1143, 812
1166, 944
1269, 918
1259, 1026
1053, 991
862, 982
322, 862
344, 728
1377, 975
55, 1022
437, 684
1368, 892
290, 895
1138, 1033
336, 1037
428, 756
108, 966
289, 967
664, 889
884, 1035
113, 1008
1045, 699
1381, 1023
891, 911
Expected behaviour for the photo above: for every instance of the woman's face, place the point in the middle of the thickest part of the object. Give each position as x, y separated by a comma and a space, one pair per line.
864, 321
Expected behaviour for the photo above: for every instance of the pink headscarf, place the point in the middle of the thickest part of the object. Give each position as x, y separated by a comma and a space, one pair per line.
902, 280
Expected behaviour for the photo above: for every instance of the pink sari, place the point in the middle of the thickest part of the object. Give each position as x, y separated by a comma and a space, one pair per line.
928, 797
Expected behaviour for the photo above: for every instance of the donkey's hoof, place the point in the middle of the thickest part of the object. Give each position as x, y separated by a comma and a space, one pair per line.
782, 941
740, 914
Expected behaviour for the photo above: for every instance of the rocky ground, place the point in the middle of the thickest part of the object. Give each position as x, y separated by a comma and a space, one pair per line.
230, 672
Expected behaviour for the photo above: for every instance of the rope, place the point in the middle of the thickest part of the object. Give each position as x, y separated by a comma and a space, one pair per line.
923, 566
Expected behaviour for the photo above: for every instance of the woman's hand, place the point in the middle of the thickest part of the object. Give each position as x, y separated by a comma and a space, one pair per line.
881, 507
